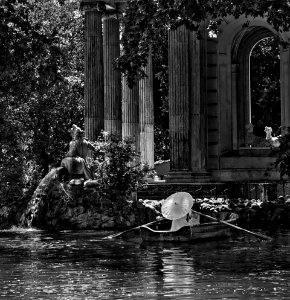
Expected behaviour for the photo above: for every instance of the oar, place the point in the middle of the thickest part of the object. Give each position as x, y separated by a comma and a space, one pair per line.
235, 226
120, 233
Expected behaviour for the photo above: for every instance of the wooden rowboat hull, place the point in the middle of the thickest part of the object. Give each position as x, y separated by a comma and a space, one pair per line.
204, 231
160, 231
210, 231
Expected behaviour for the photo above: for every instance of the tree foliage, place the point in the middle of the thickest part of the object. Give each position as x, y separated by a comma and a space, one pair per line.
118, 166
145, 23
282, 163
41, 85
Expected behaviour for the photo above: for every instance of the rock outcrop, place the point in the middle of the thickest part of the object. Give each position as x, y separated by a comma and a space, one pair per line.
57, 205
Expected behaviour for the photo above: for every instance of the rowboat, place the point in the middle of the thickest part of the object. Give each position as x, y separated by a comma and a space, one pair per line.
206, 230
183, 224
159, 231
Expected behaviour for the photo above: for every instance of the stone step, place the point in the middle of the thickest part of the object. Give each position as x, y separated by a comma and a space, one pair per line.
210, 190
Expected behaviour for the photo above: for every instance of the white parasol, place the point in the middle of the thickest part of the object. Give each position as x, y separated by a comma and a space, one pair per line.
177, 206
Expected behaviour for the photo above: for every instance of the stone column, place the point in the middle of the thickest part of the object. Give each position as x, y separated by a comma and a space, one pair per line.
130, 113
235, 70
146, 115
112, 77
94, 74
179, 104
285, 86
197, 112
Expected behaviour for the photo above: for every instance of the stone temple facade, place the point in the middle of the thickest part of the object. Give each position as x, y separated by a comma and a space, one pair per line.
208, 97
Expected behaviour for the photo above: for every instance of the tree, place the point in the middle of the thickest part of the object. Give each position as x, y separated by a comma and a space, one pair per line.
41, 86
117, 166
145, 22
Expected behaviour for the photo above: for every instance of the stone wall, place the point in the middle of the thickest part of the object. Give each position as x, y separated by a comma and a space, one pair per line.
56, 205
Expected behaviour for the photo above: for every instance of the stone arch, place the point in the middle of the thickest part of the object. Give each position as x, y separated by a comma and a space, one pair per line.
240, 60
234, 46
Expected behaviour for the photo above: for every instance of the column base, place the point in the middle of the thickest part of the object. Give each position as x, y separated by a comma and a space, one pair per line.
201, 177
187, 177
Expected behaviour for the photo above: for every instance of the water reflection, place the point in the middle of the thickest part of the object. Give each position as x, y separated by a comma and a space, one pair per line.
68, 265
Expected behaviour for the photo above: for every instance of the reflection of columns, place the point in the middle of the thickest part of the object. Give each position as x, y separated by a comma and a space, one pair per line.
146, 114
179, 93
130, 112
112, 77
94, 77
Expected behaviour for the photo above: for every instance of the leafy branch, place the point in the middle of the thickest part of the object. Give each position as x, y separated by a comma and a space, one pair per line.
145, 23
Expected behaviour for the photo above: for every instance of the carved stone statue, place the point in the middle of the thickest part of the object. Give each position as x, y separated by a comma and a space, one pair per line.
75, 159
274, 141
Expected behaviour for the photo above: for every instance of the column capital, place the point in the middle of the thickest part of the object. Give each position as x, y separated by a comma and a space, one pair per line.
100, 6
111, 15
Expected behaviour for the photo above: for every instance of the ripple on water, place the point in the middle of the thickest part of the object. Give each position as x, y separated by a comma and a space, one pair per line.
80, 265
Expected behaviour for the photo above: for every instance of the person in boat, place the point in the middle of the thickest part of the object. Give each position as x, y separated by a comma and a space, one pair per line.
190, 219
75, 159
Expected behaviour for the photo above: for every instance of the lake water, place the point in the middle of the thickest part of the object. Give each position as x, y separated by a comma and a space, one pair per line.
69, 265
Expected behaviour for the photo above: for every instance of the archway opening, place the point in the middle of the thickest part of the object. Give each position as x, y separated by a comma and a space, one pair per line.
264, 81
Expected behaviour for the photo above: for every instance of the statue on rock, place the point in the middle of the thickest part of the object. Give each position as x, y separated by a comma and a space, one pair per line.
75, 159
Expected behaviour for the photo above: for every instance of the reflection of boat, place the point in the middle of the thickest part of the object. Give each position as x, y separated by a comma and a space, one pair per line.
206, 230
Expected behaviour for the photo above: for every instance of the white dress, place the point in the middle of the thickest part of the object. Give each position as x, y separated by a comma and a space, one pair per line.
190, 219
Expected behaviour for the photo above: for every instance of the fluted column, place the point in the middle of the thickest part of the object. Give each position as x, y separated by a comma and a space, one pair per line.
179, 104
197, 110
130, 112
285, 86
146, 115
112, 77
94, 74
